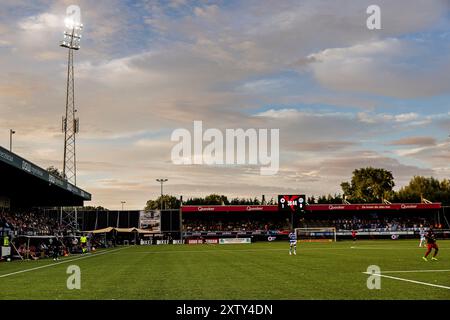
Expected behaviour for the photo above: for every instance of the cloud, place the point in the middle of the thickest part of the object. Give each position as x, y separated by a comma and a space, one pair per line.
414, 141
281, 113
208, 11
309, 68
435, 156
344, 165
386, 67
41, 22
402, 118
324, 146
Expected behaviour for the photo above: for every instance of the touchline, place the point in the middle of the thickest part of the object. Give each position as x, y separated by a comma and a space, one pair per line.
234, 147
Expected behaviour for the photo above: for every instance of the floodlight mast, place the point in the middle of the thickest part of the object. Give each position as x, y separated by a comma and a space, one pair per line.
70, 123
161, 181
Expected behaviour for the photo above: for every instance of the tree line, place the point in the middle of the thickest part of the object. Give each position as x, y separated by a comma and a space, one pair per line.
367, 185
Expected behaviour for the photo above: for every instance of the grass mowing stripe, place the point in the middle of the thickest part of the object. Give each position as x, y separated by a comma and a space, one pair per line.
57, 263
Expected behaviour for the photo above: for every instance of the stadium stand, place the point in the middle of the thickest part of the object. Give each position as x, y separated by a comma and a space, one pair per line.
370, 220
31, 186
25, 226
30, 223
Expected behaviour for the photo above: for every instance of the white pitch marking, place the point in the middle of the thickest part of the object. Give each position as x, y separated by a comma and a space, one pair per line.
57, 263
407, 280
391, 248
415, 271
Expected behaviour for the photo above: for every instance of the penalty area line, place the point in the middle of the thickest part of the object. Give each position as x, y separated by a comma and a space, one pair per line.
58, 263
408, 280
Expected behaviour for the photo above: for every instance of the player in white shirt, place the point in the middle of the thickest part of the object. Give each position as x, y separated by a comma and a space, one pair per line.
422, 236
292, 243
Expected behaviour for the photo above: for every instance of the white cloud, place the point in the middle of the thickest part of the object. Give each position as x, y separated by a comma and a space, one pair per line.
279, 114
406, 117
208, 11
42, 21
409, 118
387, 67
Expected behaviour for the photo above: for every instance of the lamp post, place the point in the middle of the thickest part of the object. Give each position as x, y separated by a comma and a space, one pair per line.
162, 182
11, 132
118, 214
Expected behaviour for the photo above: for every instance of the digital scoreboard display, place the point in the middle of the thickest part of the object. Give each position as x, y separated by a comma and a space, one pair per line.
291, 203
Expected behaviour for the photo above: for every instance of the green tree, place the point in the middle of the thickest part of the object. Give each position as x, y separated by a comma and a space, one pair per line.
311, 200
425, 187
54, 171
215, 199
92, 208
369, 185
328, 199
169, 202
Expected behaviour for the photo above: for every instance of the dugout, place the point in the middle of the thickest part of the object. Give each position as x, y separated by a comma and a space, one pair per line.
110, 236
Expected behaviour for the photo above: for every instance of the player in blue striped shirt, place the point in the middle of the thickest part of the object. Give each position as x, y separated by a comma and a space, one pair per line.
292, 243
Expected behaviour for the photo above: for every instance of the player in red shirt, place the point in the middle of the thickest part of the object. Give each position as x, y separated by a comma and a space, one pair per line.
354, 235
431, 244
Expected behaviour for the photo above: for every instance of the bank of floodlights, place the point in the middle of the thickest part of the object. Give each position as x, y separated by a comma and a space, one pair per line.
72, 34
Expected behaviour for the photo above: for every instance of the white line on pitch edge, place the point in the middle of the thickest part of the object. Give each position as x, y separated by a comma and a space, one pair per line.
58, 263
415, 271
407, 280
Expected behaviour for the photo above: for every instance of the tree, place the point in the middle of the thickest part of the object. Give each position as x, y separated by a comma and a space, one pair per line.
329, 199
244, 201
311, 200
169, 202
92, 208
423, 187
54, 171
215, 199
369, 185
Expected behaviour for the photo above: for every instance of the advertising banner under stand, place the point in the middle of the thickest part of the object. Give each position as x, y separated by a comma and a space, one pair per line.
235, 240
150, 220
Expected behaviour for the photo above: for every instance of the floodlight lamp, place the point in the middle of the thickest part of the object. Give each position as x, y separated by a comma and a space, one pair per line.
70, 24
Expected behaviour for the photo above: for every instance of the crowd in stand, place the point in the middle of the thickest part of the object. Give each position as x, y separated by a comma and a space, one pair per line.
241, 225
29, 223
19, 224
381, 224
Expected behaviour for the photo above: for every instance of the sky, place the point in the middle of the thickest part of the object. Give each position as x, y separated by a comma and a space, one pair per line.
342, 96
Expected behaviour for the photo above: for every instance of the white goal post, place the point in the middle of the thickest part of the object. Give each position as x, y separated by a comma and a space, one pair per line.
322, 234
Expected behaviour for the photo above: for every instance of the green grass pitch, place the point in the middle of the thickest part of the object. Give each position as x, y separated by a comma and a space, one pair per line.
248, 271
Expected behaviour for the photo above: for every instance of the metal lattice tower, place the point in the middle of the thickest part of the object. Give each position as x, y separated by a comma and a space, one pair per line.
70, 123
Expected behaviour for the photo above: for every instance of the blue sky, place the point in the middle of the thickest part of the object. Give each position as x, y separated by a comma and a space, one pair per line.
342, 96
